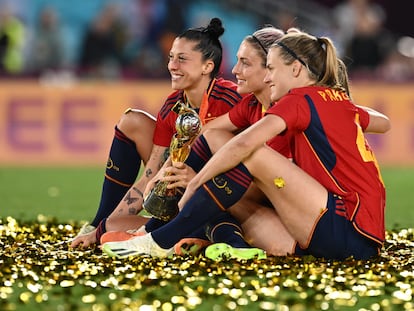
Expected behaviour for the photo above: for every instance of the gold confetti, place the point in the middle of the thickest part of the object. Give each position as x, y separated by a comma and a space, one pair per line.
279, 182
40, 271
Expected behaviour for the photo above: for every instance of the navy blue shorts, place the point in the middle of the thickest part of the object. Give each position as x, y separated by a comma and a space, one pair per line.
335, 237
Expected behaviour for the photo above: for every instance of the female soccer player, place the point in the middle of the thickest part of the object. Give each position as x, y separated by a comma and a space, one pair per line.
330, 198
251, 211
194, 65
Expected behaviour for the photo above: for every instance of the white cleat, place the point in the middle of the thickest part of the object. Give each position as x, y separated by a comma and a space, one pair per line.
140, 245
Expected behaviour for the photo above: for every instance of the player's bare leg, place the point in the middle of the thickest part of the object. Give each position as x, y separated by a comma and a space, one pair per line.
139, 126
261, 225
298, 199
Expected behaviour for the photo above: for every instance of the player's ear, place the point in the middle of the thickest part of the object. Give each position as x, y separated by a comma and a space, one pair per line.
296, 68
208, 67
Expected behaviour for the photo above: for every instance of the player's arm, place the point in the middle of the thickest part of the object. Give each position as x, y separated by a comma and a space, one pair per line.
222, 122
378, 122
179, 174
157, 177
239, 148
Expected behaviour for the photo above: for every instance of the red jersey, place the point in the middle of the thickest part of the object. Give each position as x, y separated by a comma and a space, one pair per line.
328, 143
248, 112
222, 96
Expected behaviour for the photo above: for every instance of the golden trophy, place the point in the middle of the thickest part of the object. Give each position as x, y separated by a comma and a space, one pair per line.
162, 203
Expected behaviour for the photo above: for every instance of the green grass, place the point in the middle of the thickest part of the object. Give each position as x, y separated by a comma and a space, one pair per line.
64, 193
73, 193
39, 271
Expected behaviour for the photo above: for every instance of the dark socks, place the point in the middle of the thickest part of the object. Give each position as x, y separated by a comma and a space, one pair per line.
209, 201
121, 172
100, 230
226, 229
154, 224
199, 155
195, 214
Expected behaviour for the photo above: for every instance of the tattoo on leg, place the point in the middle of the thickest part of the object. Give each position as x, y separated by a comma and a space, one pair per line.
129, 199
138, 191
132, 211
148, 172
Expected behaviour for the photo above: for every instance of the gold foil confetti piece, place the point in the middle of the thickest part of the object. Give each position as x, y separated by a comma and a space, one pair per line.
38, 268
279, 182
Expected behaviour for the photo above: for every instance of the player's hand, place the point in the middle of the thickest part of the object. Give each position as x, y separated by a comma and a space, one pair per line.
188, 193
178, 175
85, 240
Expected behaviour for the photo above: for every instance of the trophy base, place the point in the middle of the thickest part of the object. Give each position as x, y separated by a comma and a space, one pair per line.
164, 208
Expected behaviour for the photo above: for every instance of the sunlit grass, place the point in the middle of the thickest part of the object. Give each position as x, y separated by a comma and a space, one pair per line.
73, 193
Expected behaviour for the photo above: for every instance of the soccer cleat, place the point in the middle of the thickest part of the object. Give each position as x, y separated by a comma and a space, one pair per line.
190, 246
219, 251
139, 245
117, 236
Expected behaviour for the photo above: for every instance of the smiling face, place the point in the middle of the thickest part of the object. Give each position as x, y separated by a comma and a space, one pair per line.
249, 70
186, 66
279, 76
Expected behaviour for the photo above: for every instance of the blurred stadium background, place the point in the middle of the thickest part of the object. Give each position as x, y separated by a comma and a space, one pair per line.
68, 69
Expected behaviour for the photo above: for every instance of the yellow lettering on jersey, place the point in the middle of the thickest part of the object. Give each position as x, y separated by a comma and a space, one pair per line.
345, 96
328, 92
338, 95
366, 153
333, 95
322, 94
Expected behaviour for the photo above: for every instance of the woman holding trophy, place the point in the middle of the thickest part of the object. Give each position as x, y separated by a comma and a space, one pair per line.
252, 213
255, 217
194, 63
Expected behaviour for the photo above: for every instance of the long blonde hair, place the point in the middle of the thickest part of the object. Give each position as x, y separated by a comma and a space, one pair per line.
318, 55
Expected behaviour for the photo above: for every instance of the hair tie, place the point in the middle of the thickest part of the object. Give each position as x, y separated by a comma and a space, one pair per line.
295, 56
260, 43
321, 43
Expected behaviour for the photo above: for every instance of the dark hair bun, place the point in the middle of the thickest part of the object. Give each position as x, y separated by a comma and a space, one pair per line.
215, 28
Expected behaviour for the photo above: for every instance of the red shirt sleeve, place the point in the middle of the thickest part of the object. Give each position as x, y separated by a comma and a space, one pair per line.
363, 118
246, 113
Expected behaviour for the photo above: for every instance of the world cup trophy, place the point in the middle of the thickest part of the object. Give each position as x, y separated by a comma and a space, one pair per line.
162, 203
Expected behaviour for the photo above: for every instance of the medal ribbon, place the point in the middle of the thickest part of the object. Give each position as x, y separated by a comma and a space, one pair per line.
205, 103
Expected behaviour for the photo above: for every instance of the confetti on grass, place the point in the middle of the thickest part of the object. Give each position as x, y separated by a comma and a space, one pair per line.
39, 271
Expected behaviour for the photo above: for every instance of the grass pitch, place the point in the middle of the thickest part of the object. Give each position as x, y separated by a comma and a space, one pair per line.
73, 194
42, 209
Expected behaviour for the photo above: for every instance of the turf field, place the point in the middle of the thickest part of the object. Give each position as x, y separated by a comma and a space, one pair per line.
73, 193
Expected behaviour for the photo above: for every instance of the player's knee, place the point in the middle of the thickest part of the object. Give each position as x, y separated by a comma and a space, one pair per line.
216, 138
133, 121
